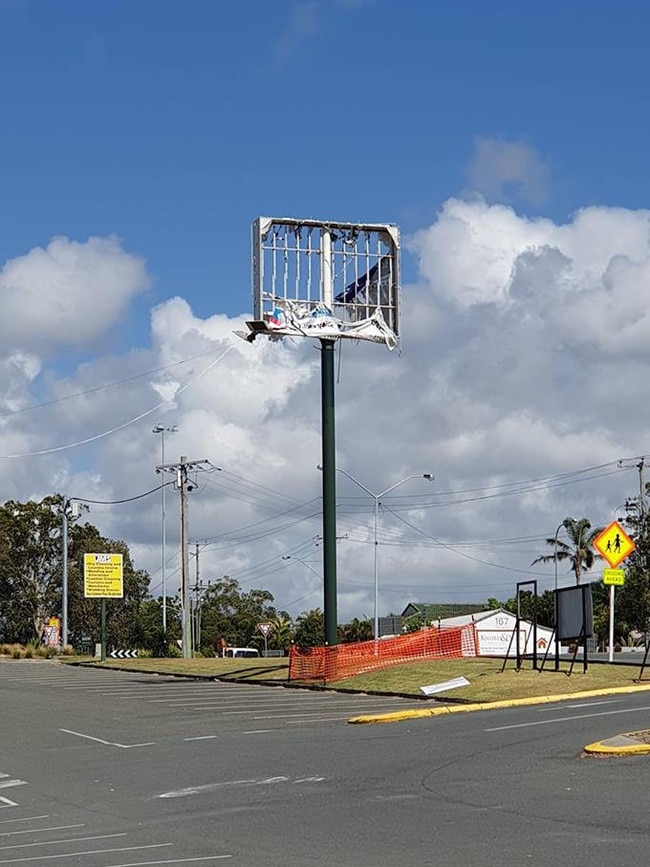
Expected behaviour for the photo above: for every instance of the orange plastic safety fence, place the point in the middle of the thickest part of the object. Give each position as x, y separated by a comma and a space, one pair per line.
345, 660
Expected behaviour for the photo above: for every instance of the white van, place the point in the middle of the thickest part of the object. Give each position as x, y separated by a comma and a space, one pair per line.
240, 653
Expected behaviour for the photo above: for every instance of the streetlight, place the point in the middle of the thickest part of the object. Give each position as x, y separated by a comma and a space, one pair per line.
162, 430
429, 477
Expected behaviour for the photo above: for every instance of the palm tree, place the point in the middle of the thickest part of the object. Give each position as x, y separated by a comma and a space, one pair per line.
579, 550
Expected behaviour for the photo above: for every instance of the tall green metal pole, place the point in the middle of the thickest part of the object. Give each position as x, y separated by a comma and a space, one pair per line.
329, 489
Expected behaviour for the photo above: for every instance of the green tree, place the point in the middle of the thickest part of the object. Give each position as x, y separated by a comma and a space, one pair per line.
281, 634
545, 606
128, 620
30, 567
579, 550
229, 613
354, 631
310, 629
632, 601
31, 577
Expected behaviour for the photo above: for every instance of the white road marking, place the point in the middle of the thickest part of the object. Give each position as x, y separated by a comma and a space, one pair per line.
27, 819
42, 830
91, 852
174, 861
213, 787
291, 717
8, 784
106, 743
53, 842
5, 802
201, 738
582, 704
259, 731
543, 722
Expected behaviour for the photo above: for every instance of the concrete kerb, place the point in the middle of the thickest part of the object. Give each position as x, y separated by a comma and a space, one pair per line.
630, 744
423, 713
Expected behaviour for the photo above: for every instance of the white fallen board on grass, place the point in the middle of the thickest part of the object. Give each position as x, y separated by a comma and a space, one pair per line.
443, 687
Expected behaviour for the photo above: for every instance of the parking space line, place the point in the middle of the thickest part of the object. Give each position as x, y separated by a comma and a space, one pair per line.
24, 819
90, 852
173, 861
42, 830
56, 842
106, 743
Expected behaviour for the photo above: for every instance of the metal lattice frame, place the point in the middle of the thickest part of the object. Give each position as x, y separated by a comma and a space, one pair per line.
349, 271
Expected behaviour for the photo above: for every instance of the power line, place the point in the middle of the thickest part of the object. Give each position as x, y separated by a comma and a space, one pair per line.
112, 384
126, 423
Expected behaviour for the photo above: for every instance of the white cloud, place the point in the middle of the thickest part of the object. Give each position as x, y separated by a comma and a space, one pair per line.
525, 355
503, 170
67, 294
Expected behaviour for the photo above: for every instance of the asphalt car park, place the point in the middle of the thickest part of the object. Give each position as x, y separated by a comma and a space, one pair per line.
110, 769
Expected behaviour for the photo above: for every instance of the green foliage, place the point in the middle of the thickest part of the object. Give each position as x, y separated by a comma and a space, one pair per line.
31, 579
30, 567
632, 601
229, 613
545, 607
354, 631
282, 631
310, 629
413, 623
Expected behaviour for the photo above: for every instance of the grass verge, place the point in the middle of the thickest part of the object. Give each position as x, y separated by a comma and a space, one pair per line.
486, 682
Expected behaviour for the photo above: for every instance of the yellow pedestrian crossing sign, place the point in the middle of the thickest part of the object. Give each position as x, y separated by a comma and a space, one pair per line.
614, 577
614, 544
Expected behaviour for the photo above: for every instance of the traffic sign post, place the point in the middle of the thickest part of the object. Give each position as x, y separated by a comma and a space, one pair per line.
614, 545
103, 578
265, 629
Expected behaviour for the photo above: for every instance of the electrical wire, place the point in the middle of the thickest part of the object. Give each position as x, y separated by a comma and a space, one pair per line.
119, 502
126, 423
106, 385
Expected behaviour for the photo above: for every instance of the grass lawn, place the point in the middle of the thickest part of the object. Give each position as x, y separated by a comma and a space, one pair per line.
487, 683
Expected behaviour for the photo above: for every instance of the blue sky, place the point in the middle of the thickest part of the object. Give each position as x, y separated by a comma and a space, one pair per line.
174, 124
509, 141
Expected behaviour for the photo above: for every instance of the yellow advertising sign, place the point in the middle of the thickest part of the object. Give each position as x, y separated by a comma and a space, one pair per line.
103, 576
614, 576
614, 544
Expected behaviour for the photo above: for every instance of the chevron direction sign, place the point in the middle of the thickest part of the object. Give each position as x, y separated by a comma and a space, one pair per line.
123, 654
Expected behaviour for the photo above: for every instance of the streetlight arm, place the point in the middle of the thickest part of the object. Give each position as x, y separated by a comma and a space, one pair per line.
357, 482
300, 560
429, 477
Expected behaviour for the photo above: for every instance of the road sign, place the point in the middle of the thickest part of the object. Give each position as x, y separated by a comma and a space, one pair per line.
265, 628
103, 576
614, 544
614, 577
